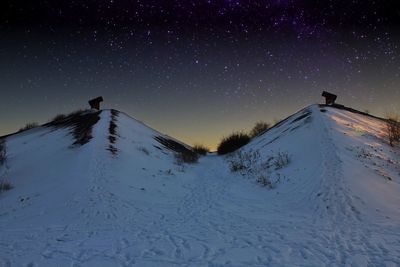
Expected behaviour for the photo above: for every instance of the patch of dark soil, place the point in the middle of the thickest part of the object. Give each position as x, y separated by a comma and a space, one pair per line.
112, 130
183, 153
81, 122
113, 150
112, 139
113, 126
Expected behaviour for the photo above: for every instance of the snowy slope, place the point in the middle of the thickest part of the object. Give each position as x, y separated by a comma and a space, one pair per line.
122, 199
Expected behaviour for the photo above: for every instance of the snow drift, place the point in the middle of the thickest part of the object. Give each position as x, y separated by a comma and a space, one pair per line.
112, 192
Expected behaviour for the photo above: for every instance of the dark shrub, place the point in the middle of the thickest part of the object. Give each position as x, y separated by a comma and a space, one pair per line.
61, 120
282, 160
77, 112
233, 142
393, 130
58, 118
201, 149
264, 181
244, 162
259, 128
29, 126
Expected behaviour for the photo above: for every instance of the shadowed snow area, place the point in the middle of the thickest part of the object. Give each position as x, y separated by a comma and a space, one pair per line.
335, 203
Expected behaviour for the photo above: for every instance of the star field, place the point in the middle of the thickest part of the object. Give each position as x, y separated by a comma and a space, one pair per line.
196, 69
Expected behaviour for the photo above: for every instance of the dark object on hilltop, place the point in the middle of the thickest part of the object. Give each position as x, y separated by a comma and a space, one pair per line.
95, 102
329, 98
233, 142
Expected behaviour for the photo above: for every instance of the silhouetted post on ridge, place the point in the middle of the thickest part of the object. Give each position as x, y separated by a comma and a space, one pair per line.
329, 98
95, 102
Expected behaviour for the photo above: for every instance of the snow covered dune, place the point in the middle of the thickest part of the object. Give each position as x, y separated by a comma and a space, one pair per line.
123, 198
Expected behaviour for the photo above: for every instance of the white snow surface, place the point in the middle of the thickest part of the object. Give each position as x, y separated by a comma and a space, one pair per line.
337, 202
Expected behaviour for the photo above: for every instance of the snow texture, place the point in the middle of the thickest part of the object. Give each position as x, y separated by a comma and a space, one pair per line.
336, 203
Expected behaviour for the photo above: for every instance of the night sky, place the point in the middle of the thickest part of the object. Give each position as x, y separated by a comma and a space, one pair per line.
196, 70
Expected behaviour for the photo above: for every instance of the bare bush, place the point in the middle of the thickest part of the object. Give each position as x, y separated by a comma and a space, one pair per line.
393, 129
282, 160
62, 120
244, 162
77, 112
201, 149
264, 181
363, 153
58, 118
268, 182
250, 164
259, 128
29, 126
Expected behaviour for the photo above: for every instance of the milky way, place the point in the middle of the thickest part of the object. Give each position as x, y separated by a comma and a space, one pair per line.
196, 69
